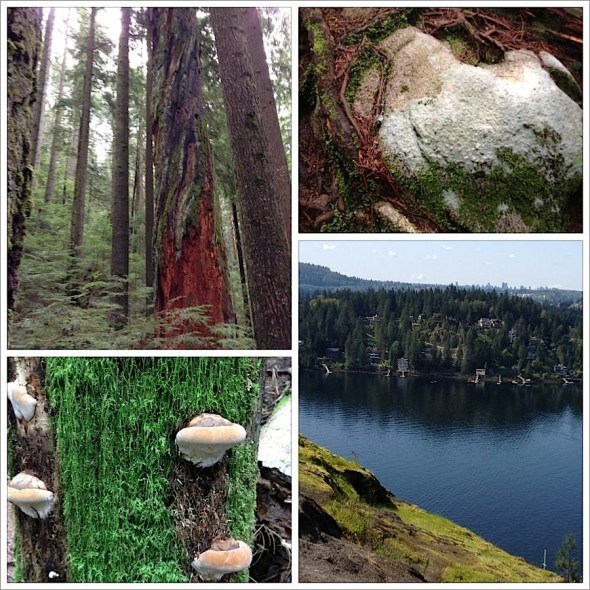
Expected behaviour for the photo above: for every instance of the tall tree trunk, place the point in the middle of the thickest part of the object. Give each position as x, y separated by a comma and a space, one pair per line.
24, 39
149, 161
41, 542
39, 113
137, 201
266, 246
269, 114
120, 200
57, 131
190, 259
77, 232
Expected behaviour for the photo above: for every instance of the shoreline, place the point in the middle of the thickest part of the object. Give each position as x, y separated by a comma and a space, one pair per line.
455, 376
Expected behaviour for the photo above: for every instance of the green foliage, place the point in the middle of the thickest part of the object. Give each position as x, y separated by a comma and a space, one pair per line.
438, 329
565, 561
115, 421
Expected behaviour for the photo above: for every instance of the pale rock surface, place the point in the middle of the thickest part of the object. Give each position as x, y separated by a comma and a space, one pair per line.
440, 109
440, 113
274, 446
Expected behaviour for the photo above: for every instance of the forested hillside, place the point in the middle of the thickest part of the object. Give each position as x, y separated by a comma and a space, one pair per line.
129, 225
314, 278
441, 329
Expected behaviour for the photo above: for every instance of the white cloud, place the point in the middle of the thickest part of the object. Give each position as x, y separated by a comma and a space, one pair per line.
489, 263
374, 251
512, 255
556, 286
328, 247
430, 257
447, 247
391, 253
417, 277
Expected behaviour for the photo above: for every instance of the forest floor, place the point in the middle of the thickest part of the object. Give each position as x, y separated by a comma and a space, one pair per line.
485, 34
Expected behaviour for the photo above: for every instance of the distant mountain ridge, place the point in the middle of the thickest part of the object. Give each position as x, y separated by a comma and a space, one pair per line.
314, 278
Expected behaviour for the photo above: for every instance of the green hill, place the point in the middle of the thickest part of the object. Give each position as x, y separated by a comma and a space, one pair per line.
354, 530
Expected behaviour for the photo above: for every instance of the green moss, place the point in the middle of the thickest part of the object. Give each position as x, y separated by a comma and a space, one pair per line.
319, 43
513, 189
115, 421
365, 61
381, 29
404, 533
461, 48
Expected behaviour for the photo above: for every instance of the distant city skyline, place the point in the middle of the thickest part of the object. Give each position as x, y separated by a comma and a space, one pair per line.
532, 264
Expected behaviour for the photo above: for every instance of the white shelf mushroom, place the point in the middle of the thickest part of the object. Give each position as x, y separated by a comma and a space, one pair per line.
23, 404
207, 437
225, 556
31, 495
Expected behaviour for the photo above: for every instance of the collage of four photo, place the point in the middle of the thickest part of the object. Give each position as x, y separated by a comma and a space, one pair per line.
203, 386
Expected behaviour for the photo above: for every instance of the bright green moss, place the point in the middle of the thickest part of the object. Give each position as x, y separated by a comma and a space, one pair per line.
115, 421
512, 196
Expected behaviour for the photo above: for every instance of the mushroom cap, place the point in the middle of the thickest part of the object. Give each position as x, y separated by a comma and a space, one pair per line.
207, 437
23, 404
225, 556
31, 495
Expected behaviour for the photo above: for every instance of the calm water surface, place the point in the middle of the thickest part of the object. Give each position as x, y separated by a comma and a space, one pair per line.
503, 460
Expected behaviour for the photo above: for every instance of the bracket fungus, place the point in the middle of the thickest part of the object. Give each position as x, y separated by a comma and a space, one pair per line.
225, 556
23, 404
31, 495
207, 437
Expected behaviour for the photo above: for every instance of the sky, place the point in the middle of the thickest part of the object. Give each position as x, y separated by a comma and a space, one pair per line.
556, 264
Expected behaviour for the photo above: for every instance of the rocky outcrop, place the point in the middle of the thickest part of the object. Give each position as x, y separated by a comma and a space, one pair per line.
496, 147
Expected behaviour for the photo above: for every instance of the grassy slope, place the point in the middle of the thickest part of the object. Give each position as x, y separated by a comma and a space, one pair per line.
115, 421
436, 547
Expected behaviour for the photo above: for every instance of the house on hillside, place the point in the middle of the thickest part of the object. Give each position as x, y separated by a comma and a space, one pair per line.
373, 355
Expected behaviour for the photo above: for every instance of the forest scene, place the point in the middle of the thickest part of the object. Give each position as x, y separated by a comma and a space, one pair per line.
436, 119
442, 330
149, 199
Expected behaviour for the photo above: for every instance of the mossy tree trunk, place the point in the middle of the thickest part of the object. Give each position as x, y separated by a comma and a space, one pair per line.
120, 184
190, 267
24, 39
130, 508
40, 543
266, 244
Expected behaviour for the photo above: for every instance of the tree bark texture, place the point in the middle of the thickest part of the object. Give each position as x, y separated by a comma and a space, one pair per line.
77, 232
24, 39
270, 118
37, 135
57, 132
149, 160
42, 541
190, 259
266, 247
120, 198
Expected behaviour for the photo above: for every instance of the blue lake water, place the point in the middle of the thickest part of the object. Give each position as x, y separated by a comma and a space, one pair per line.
503, 460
